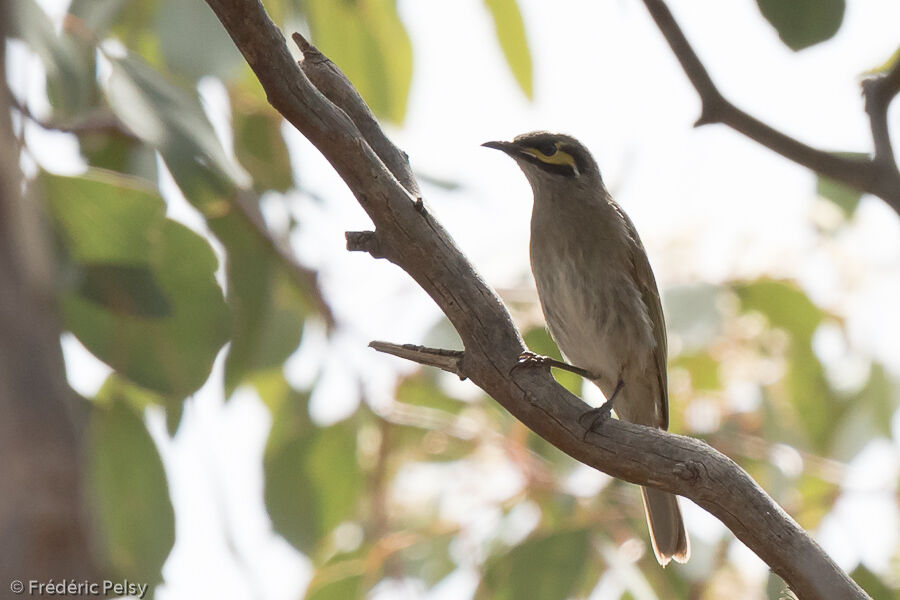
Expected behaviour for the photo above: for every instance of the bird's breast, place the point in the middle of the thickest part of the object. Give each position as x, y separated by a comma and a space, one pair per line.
592, 307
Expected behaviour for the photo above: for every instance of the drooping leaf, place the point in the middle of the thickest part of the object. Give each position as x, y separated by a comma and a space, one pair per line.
267, 311
803, 23
110, 220
511, 35
172, 121
547, 566
313, 479
71, 86
369, 43
127, 489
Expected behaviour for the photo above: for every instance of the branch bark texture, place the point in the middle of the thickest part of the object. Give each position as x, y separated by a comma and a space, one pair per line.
407, 235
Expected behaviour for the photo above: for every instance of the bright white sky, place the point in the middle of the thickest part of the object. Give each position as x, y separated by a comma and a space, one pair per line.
709, 204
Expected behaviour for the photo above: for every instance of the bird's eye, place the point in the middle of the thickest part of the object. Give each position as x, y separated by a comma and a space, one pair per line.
547, 148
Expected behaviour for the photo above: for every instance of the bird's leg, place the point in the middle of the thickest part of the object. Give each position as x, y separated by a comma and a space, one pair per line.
529, 359
589, 419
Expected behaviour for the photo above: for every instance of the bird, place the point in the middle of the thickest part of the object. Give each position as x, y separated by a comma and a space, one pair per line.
600, 300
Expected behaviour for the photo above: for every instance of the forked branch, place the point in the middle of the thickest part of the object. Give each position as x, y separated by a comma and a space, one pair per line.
877, 175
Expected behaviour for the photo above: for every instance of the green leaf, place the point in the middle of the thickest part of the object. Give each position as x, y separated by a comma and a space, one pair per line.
267, 310
511, 34
872, 584
70, 68
803, 23
546, 566
127, 489
193, 42
346, 586
784, 304
886, 65
261, 149
313, 480
703, 369
110, 220
844, 197
173, 121
369, 43
119, 153
124, 289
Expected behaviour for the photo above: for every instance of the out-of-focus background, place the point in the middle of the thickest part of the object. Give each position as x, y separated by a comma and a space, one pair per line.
241, 439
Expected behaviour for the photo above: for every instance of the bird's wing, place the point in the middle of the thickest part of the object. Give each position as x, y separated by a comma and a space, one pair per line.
643, 277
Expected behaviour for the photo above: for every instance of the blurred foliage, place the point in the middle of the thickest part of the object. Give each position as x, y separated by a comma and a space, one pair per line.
127, 485
140, 291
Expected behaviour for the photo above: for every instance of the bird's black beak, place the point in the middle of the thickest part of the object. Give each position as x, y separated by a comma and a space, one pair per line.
508, 147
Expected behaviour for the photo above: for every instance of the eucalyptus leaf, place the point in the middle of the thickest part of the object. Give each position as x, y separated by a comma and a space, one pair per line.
369, 43
152, 310
803, 23
127, 490
511, 35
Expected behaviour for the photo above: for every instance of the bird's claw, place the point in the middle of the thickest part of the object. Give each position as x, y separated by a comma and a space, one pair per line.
594, 417
528, 360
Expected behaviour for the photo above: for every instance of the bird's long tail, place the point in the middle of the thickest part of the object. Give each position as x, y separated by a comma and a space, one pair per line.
670, 540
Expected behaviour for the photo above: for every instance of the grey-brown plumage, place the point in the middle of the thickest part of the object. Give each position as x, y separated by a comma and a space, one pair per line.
599, 297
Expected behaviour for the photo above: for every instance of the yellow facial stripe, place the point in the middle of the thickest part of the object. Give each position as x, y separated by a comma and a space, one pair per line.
559, 157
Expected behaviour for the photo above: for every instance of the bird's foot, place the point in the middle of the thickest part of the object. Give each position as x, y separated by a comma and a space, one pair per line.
529, 360
595, 417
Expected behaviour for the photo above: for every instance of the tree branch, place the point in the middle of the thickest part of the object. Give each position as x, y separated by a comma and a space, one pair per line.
879, 91
408, 236
878, 176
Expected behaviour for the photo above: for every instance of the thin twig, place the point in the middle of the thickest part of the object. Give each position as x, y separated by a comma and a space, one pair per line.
446, 360
878, 177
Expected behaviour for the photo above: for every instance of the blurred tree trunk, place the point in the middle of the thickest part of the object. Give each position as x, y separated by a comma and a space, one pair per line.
43, 528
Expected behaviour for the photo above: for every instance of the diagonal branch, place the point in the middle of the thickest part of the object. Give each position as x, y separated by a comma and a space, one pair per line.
878, 176
408, 236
